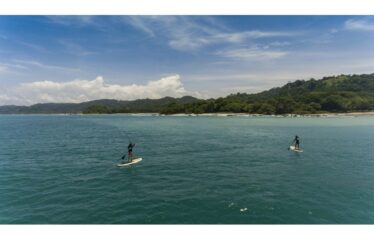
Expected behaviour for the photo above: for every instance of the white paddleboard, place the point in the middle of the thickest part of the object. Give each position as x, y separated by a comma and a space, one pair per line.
292, 148
134, 161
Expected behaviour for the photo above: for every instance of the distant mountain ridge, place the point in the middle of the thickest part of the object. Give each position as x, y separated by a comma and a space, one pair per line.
98, 106
342, 93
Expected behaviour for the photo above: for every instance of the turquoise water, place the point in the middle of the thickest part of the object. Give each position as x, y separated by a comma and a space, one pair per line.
61, 169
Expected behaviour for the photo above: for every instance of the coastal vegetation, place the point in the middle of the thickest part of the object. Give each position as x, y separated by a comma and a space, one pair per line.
336, 94
343, 93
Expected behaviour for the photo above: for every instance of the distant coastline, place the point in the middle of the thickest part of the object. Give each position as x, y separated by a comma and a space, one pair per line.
218, 114
371, 113
350, 95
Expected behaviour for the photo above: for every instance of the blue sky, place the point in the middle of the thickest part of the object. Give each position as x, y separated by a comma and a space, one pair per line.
81, 58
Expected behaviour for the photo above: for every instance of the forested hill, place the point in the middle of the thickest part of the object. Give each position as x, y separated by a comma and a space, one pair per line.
99, 106
341, 93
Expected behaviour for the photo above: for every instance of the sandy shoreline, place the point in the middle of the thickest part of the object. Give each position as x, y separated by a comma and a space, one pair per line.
265, 115
351, 114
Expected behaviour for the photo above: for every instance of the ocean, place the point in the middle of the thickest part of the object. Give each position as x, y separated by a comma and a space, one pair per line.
61, 169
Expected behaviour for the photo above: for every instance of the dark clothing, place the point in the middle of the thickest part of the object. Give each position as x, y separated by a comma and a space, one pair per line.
297, 142
129, 150
130, 146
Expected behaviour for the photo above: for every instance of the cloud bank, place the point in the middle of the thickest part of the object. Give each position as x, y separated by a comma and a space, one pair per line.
86, 90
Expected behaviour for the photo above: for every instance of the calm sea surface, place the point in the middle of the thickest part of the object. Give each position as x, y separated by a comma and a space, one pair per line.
62, 169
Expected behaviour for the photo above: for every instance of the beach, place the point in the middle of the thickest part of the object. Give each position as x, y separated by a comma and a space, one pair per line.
273, 115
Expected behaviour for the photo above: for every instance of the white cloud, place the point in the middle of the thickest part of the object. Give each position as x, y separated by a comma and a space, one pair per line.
251, 54
92, 22
32, 46
279, 44
188, 41
241, 36
32, 63
76, 49
138, 23
7, 68
362, 25
76, 21
183, 33
86, 90
6, 100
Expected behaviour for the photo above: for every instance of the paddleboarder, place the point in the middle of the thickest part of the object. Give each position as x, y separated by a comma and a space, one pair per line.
129, 150
297, 142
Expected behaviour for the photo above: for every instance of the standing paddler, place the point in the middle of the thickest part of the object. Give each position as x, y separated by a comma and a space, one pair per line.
129, 150
297, 142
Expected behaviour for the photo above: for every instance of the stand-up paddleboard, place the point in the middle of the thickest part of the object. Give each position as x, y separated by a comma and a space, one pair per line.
134, 161
292, 148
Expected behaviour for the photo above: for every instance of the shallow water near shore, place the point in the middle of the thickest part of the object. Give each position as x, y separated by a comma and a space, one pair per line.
62, 169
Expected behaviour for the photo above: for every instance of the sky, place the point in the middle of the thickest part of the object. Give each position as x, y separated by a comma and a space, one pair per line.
82, 58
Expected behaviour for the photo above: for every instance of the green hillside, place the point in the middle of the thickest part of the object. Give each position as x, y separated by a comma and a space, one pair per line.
343, 93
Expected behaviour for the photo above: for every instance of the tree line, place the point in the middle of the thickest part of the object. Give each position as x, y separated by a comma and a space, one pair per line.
342, 93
